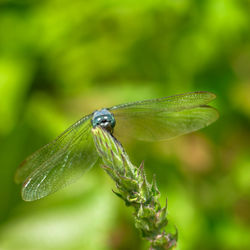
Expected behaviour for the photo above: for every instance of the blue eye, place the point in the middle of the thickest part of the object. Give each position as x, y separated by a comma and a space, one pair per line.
104, 119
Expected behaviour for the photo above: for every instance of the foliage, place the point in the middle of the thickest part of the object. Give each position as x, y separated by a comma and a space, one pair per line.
135, 190
60, 60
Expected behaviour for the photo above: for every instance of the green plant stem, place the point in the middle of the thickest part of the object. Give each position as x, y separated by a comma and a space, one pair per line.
133, 187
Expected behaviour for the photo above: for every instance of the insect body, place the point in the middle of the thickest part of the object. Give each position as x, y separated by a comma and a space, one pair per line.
66, 158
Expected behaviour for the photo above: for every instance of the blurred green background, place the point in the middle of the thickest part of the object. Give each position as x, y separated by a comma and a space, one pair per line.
62, 59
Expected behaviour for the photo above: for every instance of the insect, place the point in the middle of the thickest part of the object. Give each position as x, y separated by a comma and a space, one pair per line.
66, 158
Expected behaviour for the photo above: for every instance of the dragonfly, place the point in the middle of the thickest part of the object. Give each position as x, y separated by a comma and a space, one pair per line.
66, 158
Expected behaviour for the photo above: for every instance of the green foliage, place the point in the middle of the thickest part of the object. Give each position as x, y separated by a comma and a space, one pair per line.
135, 190
62, 59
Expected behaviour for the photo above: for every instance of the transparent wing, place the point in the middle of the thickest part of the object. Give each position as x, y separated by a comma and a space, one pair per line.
58, 163
170, 103
164, 118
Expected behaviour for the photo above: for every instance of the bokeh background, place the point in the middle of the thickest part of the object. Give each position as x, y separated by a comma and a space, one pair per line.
61, 59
